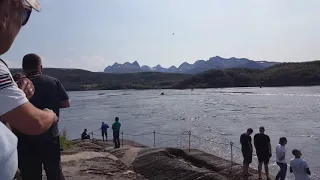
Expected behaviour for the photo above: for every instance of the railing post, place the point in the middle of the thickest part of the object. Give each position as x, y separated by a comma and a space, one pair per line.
189, 133
154, 138
231, 148
92, 137
122, 138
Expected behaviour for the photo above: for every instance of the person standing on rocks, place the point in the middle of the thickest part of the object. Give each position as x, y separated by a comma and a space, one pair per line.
104, 131
246, 147
281, 158
15, 109
116, 133
299, 167
263, 150
33, 151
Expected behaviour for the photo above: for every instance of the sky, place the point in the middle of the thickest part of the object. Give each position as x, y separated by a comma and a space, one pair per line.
92, 34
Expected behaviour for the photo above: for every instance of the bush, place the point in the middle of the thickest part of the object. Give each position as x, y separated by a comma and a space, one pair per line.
64, 142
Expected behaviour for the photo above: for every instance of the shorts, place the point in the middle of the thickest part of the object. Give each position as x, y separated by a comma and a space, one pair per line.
247, 157
263, 158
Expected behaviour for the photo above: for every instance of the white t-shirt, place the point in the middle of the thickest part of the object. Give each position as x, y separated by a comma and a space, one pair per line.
299, 167
10, 98
280, 151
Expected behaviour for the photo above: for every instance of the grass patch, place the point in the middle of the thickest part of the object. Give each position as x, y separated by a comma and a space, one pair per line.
64, 142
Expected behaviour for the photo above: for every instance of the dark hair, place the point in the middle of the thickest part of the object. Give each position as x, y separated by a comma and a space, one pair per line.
86, 129
31, 62
250, 130
261, 128
117, 119
295, 151
282, 140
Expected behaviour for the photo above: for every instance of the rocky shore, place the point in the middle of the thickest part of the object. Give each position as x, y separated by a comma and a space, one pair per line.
88, 160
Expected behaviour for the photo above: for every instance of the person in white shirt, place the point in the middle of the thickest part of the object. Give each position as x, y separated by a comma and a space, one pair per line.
299, 167
15, 109
281, 158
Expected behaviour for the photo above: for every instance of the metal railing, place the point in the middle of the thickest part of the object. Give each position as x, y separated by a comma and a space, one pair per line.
231, 147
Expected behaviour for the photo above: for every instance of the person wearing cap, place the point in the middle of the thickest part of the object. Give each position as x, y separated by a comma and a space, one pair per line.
246, 148
15, 109
44, 149
299, 167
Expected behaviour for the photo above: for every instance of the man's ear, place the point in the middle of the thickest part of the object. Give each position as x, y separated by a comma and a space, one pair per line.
4, 18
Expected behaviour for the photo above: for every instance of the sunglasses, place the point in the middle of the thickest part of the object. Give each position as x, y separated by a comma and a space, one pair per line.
26, 12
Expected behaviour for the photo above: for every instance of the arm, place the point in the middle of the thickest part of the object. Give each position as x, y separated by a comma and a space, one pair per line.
250, 147
308, 171
65, 104
307, 168
63, 96
30, 120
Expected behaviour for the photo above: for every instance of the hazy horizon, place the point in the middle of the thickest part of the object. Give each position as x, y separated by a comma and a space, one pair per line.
93, 35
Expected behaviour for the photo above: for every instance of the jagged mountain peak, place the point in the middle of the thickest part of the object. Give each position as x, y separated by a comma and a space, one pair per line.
201, 65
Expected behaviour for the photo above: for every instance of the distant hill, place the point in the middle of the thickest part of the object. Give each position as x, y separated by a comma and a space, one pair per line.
81, 80
186, 68
285, 74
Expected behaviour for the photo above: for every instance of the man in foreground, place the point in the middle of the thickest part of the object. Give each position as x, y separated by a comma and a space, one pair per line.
263, 150
116, 132
33, 151
15, 109
246, 147
104, 131
299, 167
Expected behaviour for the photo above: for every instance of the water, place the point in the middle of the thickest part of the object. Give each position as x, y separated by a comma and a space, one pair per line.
217, 115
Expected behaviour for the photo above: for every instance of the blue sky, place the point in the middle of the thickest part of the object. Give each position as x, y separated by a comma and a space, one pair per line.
92, 34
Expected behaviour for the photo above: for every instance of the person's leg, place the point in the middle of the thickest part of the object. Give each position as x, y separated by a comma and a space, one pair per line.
279, 173
52, 160
283, 170
102, 134
118, 139
259, 166
29, 161
266, 166
114, 139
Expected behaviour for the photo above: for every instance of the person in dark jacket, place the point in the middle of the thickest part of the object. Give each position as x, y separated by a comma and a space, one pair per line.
84, 135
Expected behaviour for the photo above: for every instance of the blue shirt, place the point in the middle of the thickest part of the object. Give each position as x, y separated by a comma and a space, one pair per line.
104, 127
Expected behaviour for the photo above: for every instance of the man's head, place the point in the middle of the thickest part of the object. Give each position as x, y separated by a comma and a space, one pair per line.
261, 130
249, 131
297, 153
102, 122
116, 119
13, 15
283, 141
31, 63
85, 130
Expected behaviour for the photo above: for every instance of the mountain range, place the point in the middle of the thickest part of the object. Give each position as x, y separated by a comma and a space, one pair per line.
199, 66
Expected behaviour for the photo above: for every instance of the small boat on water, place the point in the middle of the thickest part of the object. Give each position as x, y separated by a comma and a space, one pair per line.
101, 94
162, 94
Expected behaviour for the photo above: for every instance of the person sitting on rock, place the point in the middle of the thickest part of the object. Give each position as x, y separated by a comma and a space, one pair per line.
84, 135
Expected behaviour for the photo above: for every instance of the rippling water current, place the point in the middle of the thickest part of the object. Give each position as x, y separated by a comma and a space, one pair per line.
217, 116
